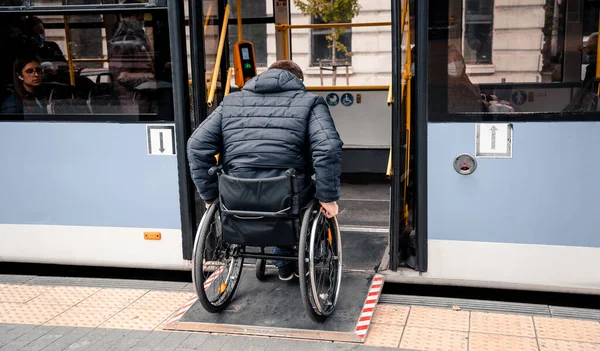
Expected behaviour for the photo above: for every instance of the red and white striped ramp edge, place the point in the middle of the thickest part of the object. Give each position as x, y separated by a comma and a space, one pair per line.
364, 321
193, 300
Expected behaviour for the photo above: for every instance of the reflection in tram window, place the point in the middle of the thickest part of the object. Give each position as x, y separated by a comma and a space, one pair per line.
521, 56
66, 2
463, 95
478, 31
29, 95
116, 64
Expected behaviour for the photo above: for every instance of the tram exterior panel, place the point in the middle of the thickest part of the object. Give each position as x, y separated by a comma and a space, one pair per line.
85, 193
530, 219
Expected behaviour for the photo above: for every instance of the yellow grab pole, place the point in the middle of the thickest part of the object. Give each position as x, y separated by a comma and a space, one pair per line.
390, 100
238, 6
390, 95
213, 81
228, 83
408, 74
285, 27
69, 50
285, 44
208, 12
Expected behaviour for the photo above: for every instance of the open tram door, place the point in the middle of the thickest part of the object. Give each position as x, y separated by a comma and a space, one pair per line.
408, 226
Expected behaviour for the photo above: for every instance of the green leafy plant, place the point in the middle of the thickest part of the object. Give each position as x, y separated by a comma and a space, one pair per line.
331, 11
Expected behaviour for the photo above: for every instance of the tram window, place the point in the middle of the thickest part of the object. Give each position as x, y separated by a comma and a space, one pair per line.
68, 2
257, 34
84, 2
539, 61
320, 49
115, 65
478, 31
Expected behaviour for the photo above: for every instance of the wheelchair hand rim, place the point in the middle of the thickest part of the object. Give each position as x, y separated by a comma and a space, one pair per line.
313, 232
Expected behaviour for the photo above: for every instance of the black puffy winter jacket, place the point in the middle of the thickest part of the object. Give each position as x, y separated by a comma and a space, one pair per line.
270, 125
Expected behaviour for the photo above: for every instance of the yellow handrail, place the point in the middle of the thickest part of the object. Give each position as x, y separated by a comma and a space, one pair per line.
284, 27
207, 18
228, 83
69, 50
238, 6
389, 171
390, 99
213, 81
285, 43
408, 78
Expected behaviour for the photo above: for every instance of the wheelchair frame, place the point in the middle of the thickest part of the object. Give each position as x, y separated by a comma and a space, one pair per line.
315, 233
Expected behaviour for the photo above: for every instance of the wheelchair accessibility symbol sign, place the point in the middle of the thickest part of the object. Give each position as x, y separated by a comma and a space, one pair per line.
347, 99
332, 99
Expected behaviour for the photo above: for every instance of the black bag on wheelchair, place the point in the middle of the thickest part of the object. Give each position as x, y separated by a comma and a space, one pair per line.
260, 212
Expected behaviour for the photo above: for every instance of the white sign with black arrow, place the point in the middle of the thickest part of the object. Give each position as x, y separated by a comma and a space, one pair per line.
161, 139
493, 140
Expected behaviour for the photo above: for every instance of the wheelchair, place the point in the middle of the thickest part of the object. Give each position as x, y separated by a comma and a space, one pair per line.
262, 213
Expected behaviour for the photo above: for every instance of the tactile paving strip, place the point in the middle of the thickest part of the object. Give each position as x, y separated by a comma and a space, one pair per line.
113, 297
7, 306
21, 293
433, 339
383, 335
563, 345
424, 317
495, 323
493, 342
162, 300
32, 314
567, 329
390, 314
138, 319
84, 316
65, 295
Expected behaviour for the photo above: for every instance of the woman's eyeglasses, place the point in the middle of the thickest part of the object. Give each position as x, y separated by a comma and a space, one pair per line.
30, 71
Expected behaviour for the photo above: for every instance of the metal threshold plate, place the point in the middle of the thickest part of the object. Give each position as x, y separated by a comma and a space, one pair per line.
274, 308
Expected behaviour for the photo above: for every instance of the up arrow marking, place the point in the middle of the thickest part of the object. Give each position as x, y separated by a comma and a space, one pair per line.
493, 130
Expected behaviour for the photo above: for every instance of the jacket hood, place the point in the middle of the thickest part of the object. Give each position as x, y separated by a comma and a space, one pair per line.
274, 80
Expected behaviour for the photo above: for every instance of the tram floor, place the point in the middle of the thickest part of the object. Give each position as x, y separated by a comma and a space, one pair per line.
365, 204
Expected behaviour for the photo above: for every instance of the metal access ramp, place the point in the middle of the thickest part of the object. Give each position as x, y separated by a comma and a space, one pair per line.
274, 308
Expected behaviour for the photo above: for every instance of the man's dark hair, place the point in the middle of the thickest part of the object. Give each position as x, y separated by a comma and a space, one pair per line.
290, 66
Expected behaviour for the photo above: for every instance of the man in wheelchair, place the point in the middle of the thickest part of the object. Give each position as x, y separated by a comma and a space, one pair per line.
273, 124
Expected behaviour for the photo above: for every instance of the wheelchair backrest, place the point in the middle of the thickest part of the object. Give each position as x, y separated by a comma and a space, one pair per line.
274, 194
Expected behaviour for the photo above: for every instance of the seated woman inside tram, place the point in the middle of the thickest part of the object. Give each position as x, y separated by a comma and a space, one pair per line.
28, 96
463, 95
52, 59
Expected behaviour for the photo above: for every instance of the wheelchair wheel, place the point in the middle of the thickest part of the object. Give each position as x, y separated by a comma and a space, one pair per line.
216, 268
261, 267
319, 263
